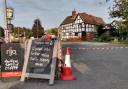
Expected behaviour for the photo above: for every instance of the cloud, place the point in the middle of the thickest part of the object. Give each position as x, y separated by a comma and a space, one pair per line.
52, 12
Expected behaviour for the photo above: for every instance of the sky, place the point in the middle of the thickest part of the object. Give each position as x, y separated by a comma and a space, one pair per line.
53, 12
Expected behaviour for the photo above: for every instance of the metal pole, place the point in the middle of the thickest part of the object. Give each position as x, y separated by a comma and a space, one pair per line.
37, 29
5, 14
18, 33
59, 33
6, 31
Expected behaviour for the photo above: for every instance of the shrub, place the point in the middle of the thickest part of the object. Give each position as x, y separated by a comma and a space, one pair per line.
124, 41
103, 38
97, 39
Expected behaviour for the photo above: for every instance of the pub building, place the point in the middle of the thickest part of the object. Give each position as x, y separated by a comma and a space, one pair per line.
80, 25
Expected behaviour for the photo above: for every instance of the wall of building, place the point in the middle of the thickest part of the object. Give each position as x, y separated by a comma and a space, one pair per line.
78, 29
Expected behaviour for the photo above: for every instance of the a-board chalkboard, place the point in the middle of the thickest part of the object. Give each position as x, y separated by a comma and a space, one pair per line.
40, 57
11, 60
40, 60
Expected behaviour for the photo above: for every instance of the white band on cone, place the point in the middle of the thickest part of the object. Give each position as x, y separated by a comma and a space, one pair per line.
67, 61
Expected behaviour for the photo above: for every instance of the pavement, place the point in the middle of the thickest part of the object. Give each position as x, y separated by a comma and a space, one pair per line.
96, 66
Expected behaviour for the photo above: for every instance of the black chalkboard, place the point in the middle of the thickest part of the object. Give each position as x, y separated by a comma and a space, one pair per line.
40, 56
11, 59
40, 59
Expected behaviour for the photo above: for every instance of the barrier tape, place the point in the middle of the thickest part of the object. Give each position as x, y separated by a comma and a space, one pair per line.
105, 48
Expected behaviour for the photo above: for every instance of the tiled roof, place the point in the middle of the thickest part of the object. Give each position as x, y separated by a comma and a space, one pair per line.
90, 19
67, 20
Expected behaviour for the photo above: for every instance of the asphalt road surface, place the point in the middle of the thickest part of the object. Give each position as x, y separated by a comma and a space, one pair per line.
96, 66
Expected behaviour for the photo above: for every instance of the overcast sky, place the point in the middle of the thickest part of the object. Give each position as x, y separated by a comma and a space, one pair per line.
52, 12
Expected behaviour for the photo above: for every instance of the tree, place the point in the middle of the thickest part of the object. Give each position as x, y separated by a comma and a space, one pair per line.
37, 28
100, 30
1, 32
21, 32
123, 31
53, 31
119, 9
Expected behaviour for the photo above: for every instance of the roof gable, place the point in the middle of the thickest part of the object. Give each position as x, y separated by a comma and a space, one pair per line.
77, 17
90, 19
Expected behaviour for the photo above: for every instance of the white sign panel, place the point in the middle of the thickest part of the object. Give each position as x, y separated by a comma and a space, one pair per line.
10, 13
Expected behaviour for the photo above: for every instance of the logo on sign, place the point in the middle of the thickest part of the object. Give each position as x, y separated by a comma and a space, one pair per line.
11, 52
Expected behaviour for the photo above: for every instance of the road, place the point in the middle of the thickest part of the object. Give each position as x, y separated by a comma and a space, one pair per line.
96, 66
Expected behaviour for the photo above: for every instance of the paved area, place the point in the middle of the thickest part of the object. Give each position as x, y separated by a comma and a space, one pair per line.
98, 68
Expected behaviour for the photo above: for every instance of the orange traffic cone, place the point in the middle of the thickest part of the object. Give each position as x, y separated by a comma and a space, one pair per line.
67, 73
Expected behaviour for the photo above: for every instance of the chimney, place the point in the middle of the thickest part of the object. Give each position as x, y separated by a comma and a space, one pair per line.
74, 13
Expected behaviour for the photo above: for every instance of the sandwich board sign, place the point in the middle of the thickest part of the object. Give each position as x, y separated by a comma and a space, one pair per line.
40, 60
11, 60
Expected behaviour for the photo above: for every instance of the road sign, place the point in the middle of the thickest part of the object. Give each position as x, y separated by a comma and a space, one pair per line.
10, 12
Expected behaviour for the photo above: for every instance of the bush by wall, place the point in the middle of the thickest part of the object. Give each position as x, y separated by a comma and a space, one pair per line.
103, 38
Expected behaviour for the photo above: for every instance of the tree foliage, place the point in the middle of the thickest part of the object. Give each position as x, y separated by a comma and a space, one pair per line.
37, 28
53, 31
100, 30
119, 9
1, 32
123, 30
22, 32
122, 26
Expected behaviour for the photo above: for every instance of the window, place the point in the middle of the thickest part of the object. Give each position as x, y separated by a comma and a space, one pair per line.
83, 25
72, 30
90, 29
76, 34
81, 21
93, 26
87, 29
79, 30
86, 25
64, 34
79, 34
83, 29
67, 34
80, 25
73, 34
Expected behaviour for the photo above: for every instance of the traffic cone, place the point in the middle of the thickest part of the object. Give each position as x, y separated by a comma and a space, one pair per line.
67, 73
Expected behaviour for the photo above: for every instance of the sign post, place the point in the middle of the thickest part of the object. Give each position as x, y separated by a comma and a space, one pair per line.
8, 16
40, 60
